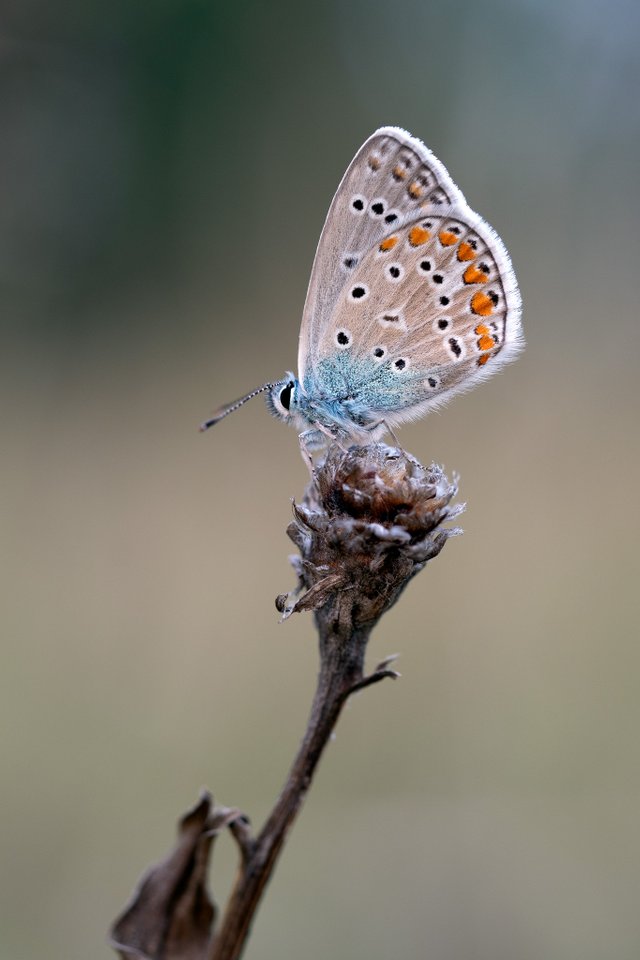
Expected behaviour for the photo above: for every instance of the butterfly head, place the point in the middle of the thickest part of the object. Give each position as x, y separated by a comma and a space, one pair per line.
283, 398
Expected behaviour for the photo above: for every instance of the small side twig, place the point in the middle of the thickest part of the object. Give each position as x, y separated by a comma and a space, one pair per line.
240, 830
374, 677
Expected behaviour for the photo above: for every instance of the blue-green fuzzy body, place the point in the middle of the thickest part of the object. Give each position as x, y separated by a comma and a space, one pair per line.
343, 393
345, 396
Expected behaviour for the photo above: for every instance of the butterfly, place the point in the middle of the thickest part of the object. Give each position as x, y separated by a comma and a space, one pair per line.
412, 299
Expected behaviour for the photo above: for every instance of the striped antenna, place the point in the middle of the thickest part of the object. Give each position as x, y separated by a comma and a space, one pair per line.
229, 408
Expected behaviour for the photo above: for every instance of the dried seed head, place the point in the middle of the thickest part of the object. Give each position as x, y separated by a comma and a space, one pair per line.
367, 525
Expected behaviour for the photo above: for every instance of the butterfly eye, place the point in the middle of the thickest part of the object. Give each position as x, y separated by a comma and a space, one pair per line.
285, 395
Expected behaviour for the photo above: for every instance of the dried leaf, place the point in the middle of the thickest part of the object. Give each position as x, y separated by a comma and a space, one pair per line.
171, 914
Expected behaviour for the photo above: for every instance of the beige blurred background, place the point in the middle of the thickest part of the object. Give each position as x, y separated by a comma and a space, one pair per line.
165, 171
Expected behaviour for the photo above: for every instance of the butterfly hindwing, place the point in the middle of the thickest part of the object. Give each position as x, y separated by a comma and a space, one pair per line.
430, 309
392, 179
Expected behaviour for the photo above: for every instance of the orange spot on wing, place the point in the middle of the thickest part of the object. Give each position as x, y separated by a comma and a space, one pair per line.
481, 304
374, 162
388, 244
486, 342
399, 173
474, 275
418, 235
482, 330
483, 359
415, 190
447, 239
465, 251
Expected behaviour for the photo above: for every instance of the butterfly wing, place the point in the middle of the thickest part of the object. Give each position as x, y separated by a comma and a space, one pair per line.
432, 308
392, 179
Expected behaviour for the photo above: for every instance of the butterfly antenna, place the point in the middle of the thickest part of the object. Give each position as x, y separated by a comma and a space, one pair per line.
230, 407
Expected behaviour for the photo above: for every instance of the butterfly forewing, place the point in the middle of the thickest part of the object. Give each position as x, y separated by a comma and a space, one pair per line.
392, 179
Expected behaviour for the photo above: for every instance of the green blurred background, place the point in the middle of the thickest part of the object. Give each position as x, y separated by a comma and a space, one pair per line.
165, 171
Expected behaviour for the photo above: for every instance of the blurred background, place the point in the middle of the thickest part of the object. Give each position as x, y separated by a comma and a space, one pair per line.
165, 172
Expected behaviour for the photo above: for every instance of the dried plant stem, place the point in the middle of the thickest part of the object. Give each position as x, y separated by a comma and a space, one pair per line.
342, 649
370, 521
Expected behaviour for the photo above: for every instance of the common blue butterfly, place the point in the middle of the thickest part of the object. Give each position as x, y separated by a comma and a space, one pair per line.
412, 299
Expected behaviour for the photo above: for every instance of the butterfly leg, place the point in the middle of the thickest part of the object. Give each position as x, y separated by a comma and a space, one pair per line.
331, 437
306, 442
311, 441
315, 439
393, 436
389, 430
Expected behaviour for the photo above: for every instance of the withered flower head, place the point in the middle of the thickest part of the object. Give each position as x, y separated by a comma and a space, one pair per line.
370, 521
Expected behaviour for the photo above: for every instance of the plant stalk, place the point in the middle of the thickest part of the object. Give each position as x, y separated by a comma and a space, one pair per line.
342, 650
